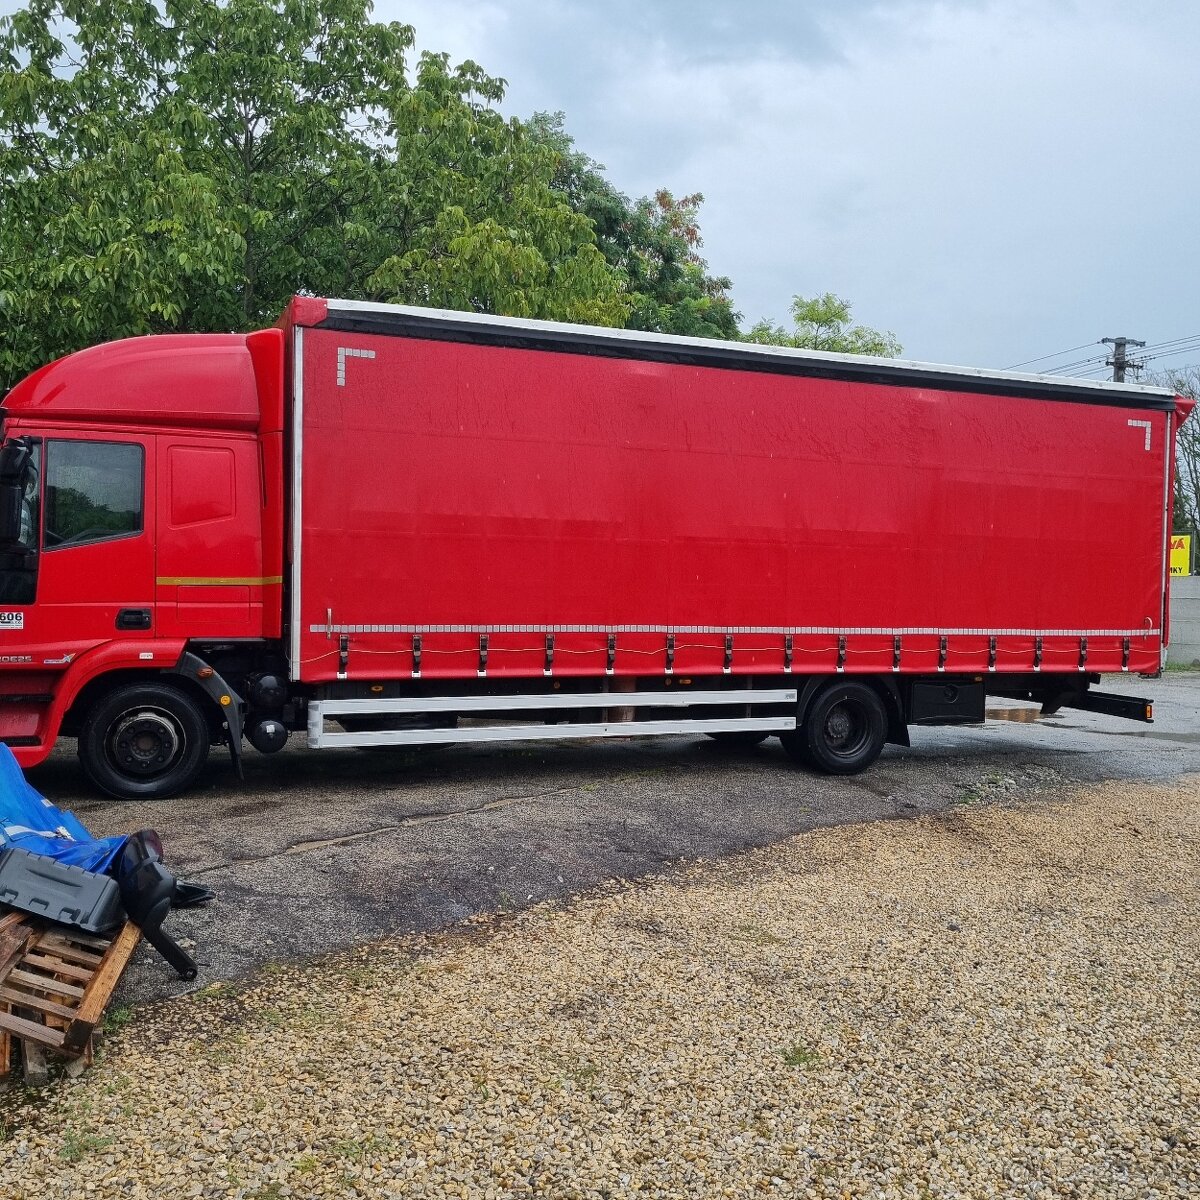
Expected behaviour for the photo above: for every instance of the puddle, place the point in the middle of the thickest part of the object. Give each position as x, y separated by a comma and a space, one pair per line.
1013, 714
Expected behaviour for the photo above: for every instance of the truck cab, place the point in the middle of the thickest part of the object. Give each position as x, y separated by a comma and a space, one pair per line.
140, 509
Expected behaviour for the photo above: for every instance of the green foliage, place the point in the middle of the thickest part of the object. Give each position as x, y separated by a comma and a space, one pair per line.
824, 324
653, 242
77, 1144
1186, 382
672, 291
117, 1017
191, 165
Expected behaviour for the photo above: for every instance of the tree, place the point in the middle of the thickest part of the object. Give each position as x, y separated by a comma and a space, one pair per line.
672, 290
190, 165
654, 242
823, 323
1186, 382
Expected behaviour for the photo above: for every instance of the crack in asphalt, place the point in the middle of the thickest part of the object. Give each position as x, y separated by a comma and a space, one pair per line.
428, 818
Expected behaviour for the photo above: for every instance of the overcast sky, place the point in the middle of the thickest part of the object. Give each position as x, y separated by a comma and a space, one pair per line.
992, 181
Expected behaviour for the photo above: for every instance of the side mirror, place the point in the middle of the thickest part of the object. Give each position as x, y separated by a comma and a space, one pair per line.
16, 460
12, 502
18, 471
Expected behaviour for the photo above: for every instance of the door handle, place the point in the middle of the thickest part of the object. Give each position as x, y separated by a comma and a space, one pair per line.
133, 618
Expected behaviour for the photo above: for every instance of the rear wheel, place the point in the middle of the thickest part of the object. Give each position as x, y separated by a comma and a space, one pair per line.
843, 731
144, 742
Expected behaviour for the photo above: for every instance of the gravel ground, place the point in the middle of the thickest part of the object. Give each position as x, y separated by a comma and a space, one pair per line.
321, 850
993, 1001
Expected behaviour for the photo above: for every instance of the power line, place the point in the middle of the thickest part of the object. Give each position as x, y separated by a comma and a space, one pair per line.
1088, 363
1079, 362
1191, 337
1056, 354
1187, 348
1084, 372
1096, 364
1075, 362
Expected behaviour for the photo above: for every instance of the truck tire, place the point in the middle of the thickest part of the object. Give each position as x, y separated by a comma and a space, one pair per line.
145, 741
740, 739
843, 731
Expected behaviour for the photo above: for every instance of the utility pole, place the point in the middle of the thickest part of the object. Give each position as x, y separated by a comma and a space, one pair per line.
1119, 362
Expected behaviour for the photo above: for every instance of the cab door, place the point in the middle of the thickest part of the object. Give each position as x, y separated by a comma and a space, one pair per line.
96, 568
209, 565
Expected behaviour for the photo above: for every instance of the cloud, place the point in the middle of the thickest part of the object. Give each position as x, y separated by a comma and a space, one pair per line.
990, 180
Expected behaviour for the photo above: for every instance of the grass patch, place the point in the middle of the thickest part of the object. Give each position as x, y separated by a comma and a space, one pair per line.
116, 1018
358, 976
272, 1018
76, 1145
586, 1073
353, 1150
313, 1016
801, 1055
760, 936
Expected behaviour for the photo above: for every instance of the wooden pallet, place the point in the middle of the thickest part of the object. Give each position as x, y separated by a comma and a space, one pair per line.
55, 983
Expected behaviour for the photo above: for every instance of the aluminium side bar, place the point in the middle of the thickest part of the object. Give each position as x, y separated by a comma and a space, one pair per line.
320, 738
671, 699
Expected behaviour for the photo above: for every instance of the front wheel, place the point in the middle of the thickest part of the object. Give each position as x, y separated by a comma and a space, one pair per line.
843, 732
146, 741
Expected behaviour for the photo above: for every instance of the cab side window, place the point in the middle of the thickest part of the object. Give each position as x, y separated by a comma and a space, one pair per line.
94, 492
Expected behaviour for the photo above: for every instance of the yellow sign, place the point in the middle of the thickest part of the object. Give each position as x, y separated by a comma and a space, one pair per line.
1181, 553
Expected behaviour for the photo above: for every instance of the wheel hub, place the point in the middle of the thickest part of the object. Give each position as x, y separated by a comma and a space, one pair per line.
838, 725
146, 742
844, 728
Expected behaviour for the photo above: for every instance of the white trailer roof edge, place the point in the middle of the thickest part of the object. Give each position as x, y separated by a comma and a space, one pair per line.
488, 321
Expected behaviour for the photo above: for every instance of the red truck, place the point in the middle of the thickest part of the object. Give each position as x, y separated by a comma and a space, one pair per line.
395, 526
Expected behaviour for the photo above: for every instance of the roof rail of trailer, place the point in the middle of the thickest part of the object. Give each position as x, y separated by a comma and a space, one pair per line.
398, 320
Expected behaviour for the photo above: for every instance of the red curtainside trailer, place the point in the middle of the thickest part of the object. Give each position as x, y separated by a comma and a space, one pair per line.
398, 526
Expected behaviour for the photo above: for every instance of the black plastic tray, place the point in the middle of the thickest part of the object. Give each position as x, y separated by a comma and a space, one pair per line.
47, 888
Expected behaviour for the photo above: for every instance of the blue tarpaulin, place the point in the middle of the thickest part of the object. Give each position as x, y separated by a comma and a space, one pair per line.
30, 822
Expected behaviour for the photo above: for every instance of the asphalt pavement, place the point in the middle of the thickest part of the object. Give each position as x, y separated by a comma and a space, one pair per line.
319, 850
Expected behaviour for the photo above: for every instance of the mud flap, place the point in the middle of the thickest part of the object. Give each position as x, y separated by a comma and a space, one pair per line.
233, 709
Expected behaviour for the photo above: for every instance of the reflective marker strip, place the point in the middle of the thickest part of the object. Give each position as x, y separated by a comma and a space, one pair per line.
345, 352
888, 631
1141, 425
217, 580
